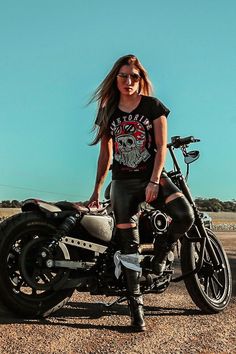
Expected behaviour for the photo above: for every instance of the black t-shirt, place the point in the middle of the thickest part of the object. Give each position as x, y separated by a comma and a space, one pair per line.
133, 139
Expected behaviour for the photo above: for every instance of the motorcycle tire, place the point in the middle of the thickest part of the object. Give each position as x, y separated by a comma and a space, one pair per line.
210, 289
15, 293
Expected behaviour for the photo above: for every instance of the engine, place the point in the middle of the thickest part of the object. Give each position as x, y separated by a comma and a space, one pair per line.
151, 224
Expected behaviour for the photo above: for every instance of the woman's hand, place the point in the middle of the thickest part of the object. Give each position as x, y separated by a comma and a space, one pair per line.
94, 200
151, 192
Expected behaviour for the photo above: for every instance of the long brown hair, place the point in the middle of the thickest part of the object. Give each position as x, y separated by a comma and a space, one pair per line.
107, 94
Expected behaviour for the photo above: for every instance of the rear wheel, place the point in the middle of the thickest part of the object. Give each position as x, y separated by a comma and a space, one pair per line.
210, 288
25, 285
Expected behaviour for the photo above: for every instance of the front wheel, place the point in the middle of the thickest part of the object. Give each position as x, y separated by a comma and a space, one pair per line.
24, 284
210, 289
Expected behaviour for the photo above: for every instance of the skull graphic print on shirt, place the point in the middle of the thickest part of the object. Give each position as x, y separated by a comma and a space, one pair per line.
131, 140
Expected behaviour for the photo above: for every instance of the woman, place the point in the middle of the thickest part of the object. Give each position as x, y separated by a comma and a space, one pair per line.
132, 128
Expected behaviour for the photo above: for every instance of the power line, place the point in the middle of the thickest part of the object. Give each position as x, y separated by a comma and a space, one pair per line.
41, 191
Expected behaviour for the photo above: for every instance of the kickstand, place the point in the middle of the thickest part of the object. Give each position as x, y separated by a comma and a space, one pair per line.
109, 304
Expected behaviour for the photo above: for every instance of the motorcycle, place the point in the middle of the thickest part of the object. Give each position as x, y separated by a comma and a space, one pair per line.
52, 249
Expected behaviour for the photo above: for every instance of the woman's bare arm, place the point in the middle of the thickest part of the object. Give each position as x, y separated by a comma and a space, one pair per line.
160, 134
104, 161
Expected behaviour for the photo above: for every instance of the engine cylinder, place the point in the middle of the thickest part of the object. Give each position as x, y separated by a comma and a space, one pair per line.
159, 221
152, 223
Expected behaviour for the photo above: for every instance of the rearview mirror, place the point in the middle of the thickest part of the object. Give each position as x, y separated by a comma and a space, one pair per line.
191, 156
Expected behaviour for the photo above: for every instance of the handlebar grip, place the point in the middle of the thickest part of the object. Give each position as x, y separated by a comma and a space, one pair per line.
177, 141
187, 140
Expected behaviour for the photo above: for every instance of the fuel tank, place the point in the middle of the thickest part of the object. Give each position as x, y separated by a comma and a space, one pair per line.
99, 226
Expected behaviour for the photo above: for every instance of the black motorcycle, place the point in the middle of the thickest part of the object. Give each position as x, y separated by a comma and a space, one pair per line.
50, 250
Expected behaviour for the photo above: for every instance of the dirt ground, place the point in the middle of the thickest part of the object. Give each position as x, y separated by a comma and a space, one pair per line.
175, 325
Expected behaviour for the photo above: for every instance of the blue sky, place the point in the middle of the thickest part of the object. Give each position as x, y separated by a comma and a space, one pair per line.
55, 53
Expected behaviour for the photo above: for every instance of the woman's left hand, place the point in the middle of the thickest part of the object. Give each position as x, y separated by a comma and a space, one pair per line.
151, 192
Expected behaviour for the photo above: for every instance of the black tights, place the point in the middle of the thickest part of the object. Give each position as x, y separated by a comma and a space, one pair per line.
182, 216
126, 196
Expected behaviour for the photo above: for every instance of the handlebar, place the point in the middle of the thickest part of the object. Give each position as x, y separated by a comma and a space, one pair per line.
177, 141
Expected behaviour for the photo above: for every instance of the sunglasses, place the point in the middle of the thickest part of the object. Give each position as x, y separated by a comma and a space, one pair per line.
133, 77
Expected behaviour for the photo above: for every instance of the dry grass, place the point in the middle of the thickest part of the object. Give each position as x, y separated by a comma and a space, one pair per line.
223, 217
6, 212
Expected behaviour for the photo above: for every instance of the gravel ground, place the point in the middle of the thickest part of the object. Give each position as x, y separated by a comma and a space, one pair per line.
174, 324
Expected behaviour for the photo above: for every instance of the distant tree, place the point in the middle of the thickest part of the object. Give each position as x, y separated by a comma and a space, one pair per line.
214, 204
6, 204
15, 204
10, 204
230, 206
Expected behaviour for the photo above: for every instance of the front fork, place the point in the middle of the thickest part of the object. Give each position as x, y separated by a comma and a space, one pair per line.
198, 224
200, 229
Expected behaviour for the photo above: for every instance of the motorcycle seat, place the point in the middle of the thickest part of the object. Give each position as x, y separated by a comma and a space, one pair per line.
80, 207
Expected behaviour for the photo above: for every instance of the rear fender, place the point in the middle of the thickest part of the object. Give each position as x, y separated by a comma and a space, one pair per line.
40, 205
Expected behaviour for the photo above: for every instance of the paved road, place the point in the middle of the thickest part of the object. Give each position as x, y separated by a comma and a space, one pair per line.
174, 324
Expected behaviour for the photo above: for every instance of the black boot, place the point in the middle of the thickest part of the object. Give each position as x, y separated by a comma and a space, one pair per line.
136, 313
129, 242
162, 251
135, 300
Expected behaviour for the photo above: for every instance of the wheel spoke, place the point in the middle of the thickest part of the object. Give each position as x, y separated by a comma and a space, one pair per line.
206, 285
218, 282
207, 263
212, 286
44, 278
48, 274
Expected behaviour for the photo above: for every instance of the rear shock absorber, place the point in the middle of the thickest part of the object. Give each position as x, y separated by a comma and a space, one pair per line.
64, 229
67, 225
